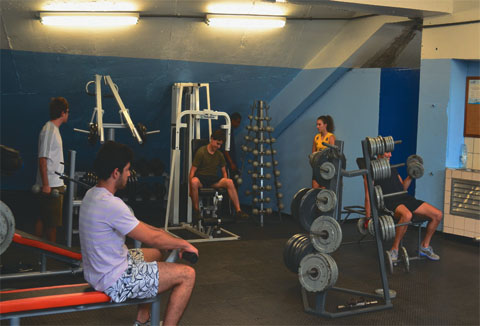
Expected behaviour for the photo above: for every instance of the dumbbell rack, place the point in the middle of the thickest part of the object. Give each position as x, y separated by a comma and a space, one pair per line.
259, 134
320, 297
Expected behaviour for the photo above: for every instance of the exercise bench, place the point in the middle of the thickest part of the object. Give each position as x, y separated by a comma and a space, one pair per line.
16, 304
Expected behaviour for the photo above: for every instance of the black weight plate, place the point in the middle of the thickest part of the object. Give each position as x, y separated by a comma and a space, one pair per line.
295, 205
286, 249
293, 252
287, 253
308, 210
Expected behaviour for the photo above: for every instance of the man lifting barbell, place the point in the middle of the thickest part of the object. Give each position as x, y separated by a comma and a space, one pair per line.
404, 205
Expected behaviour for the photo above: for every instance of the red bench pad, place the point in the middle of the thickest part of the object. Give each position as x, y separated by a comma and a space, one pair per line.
50, 297
33, 241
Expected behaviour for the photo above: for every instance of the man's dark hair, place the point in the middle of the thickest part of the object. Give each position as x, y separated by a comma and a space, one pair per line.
111, 156
219, 135
235, 116
58, 105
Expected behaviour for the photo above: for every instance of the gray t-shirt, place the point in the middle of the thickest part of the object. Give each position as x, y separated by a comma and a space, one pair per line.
103, 222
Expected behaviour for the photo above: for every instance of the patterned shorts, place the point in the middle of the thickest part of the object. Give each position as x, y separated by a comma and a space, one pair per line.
139, 281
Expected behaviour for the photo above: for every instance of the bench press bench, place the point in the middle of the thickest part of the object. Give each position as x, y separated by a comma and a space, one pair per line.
71, 257
16, 304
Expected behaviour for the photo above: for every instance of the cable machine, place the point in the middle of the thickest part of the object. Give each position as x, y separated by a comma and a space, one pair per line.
185, 127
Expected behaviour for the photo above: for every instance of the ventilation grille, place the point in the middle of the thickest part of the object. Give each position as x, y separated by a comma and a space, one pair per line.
465, 199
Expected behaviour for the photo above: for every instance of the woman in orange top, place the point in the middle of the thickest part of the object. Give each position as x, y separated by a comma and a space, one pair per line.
325, 127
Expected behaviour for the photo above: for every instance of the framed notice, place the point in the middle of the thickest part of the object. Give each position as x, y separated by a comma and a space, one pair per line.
472, 108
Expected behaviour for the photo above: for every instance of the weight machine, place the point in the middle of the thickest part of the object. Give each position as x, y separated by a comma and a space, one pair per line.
186, 107
96, 130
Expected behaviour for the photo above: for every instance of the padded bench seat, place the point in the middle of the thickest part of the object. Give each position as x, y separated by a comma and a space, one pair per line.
16, 304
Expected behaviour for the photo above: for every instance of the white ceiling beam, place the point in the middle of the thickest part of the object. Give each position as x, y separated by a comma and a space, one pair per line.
405, 8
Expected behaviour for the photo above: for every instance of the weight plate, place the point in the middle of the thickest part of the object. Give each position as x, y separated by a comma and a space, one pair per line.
379, 197
371, 227
414, 158
308, 208
305, 247
415, 170
326, 200
391, 224
327, 170
315, 273
389, 261
295, 204
405, 259
286, 251
326, 234
361, 226
7, 227
389, 144
334, 270
293, 253
383, 229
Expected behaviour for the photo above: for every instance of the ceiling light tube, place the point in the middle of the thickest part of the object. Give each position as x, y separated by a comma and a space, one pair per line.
245, 21
88, 18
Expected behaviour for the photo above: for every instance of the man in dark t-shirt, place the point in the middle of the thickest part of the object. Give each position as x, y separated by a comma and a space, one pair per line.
404, 206
204, 170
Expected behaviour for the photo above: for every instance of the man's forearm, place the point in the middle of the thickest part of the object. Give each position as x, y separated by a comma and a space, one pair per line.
42, 164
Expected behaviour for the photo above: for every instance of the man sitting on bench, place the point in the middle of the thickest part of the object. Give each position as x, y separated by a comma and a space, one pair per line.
404, 206
203, 173
108, 265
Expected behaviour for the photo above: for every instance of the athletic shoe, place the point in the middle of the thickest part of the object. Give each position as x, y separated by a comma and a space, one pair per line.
428, 252
393, 254
241, 215
137, 323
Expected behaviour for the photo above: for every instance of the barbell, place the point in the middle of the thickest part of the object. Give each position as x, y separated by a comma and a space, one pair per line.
381, 168
379, 196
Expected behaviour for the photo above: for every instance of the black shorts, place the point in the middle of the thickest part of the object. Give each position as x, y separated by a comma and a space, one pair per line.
208, 180
409, 201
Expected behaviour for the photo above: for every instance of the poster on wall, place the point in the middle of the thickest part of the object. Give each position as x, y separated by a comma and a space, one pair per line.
472, 108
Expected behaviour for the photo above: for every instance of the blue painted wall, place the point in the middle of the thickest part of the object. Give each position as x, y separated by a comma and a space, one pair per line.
30, 79
399, 112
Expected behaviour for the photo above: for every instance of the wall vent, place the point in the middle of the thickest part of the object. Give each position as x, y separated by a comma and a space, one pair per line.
465, 200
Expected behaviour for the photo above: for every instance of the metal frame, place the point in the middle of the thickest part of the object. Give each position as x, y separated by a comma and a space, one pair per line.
15, 317
193, 115
98, 113
320, 298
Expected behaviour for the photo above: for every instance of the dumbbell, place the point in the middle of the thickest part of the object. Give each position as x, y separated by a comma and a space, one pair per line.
261, 200
238, 179
276, 172
279, 195
256, 152
261, 176
415, 166
269, 129
267, 187
257, 211
278, 184
190, 257
37, 189
281, 206
250, 117
266, 164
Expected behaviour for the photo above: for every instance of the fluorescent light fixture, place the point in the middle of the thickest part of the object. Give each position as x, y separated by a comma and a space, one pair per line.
88, 18
245, 21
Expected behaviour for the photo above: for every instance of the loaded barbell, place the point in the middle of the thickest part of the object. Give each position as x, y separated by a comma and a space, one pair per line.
379, 196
